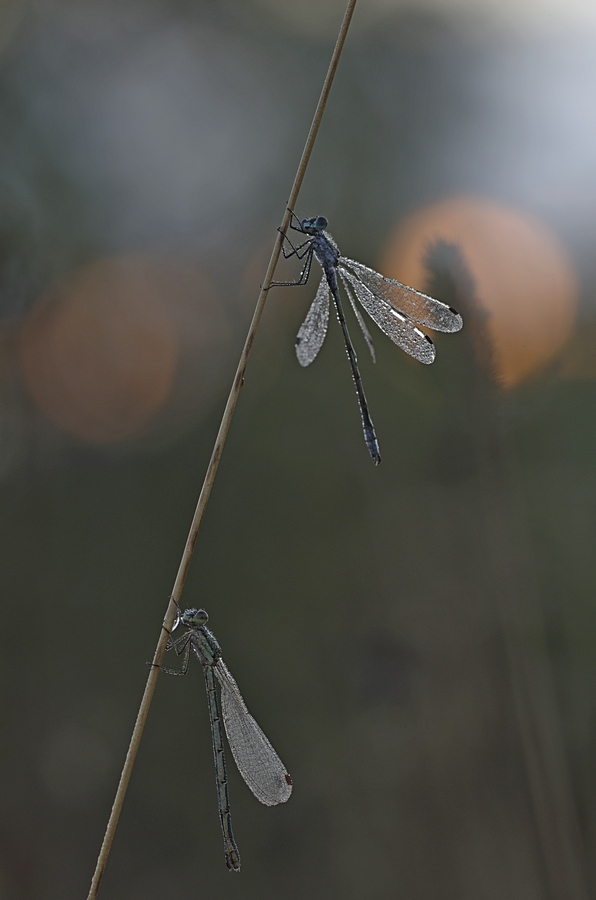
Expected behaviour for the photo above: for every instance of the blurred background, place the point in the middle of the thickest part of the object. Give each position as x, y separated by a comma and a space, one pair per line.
416, 640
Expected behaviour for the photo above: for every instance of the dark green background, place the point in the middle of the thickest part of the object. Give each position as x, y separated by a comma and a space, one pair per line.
416, 640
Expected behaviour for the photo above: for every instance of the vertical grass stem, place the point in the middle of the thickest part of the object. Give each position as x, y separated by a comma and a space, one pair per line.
212, 467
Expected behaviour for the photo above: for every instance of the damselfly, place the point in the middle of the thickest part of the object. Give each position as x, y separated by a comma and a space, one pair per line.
392, 305
257, 761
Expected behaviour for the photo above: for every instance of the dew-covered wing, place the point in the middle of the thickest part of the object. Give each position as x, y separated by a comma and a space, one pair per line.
311, 333
399, 327
257, 761
359, 319
421, 308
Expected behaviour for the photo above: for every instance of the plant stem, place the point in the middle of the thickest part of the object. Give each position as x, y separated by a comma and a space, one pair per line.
212, 468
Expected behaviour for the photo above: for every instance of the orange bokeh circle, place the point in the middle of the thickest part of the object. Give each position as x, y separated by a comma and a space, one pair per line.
99, 353
522, 276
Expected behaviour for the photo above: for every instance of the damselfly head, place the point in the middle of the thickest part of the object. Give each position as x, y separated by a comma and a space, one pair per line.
312, 226
194, 617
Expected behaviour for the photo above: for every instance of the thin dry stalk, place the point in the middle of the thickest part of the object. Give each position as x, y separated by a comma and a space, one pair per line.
212, 468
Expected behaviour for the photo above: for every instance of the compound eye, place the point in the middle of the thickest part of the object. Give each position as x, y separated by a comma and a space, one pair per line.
320, 222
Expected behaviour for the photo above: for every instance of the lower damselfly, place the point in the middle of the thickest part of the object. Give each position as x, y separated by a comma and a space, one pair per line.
257, 761
394, 307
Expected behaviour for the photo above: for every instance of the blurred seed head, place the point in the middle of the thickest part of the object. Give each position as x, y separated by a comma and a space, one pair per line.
522, 275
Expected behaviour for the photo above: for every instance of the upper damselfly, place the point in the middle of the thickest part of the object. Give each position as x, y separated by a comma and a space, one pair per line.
392, 305
257, 761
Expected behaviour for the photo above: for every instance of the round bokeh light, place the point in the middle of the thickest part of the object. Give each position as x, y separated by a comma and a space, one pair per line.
100, 352
522, 276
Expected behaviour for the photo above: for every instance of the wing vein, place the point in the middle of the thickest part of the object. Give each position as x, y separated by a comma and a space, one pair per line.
257, 761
